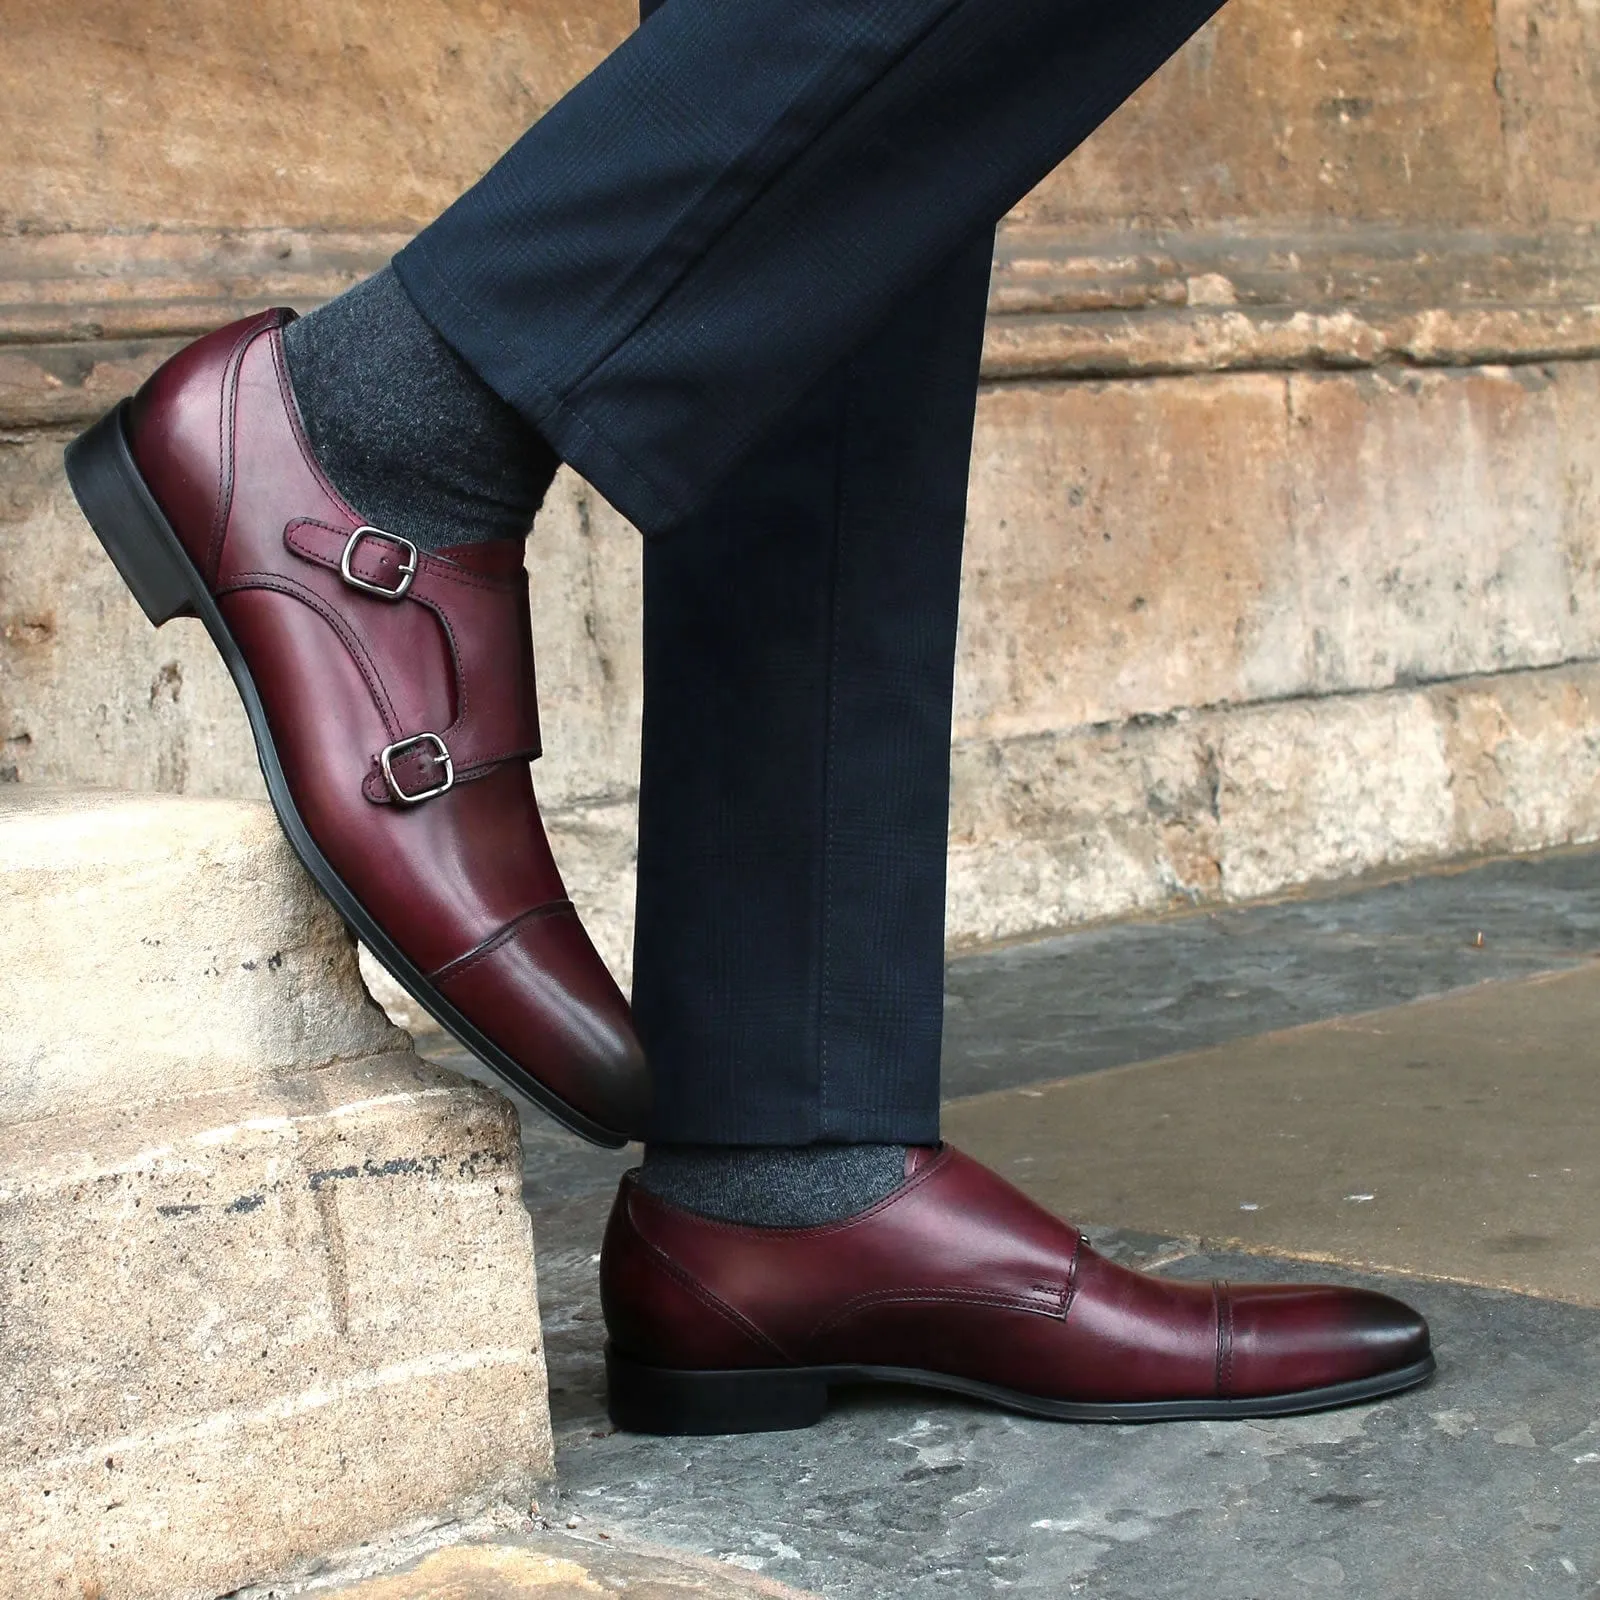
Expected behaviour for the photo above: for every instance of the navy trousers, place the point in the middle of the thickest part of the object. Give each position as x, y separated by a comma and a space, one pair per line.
738, 279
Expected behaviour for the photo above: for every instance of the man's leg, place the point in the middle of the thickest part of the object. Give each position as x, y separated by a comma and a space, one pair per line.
678, 252
799, 651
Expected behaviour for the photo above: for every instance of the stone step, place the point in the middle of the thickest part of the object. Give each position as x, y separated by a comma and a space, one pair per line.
551, 1566
152, 948
268, 1281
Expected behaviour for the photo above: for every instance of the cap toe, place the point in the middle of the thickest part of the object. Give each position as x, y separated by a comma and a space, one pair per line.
1287, 1338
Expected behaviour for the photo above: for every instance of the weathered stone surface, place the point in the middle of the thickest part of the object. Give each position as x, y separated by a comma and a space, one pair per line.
1242, 802
1525, 750
244, 1329
1139, 548
1363, 111
552, 1567
1125, 544
90, 693
1308, 792
1359, 265
1444, 523
1549, 82
153, 947
178, 184
586, 581
162, 282
1304, 112
283, 113
45, 384
267, 1278
1133, 344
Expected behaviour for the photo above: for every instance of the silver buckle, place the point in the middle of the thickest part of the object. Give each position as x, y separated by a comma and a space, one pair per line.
408, 567
441, 756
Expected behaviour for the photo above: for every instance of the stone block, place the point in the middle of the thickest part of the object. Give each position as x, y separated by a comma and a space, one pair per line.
1295, 112
1126, 552
1315, 792
153, 947
268, 1280
1299, 113
1114, 344
1050, 830
90, 693
1234, 803
1549, 84
231, 1346
197, 112
551, 1566
1445, 523
1145, 547
1525, 750
586, 582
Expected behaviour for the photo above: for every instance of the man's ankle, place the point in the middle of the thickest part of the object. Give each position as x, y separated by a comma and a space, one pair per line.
405, 430
776, 1186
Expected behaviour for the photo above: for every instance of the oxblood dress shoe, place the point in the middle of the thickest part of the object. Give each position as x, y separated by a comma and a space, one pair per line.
391, 694
959, 1282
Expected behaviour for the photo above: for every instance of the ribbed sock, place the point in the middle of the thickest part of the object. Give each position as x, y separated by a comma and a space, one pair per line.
781, 1186
406, 431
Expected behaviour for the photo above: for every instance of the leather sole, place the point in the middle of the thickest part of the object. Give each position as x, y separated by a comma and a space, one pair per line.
153, 563
662, 1400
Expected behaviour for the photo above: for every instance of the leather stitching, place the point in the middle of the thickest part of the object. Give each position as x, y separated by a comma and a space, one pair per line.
227, 410
485, 763
291, 407
358, 652
713, 1302
462, 700
454, 969
441, 567
937, 1297
1223, 1302
1071, 1292
1216, 1317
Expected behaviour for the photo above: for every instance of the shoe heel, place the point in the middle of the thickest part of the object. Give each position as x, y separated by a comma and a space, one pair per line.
645, 1399
128, 522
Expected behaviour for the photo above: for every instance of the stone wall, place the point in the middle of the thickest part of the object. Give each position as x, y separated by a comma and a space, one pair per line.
1284, 519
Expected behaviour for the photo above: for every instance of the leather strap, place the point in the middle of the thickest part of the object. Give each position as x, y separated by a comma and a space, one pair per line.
485, 620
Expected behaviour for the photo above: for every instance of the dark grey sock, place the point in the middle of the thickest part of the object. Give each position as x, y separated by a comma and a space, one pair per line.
782, 1186
408, 433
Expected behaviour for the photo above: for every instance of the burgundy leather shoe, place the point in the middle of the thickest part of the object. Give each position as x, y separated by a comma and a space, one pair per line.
959, 1282
391, 694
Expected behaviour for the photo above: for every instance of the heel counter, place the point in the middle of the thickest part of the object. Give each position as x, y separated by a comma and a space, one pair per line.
180, 435
656, 1312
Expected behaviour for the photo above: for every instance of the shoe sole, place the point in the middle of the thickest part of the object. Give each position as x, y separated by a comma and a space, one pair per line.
151, 559
660, 1400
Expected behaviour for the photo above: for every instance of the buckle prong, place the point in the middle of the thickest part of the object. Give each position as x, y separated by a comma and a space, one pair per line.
408, 566
386, 759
